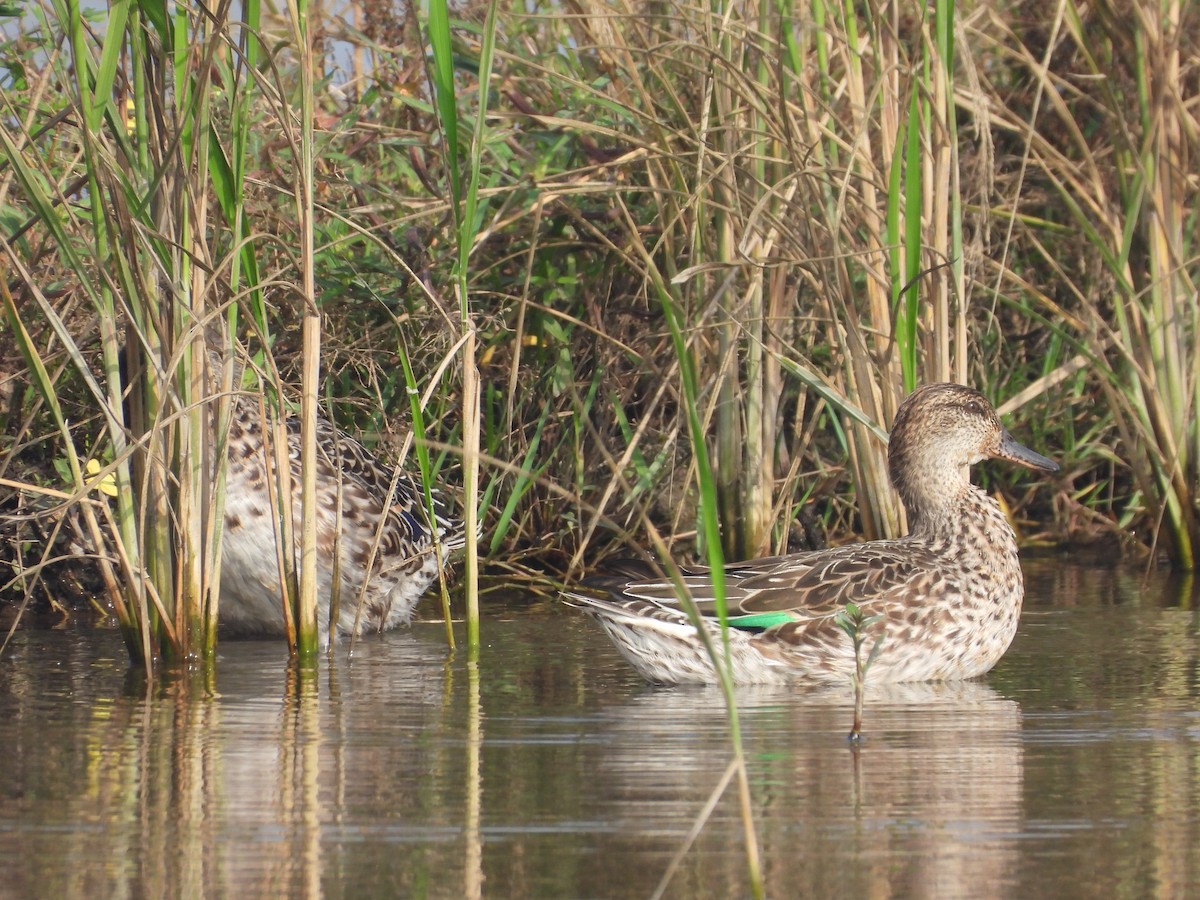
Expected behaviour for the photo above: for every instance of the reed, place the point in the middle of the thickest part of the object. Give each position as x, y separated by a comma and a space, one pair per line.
467, 211
722, 659
306, 642
164, 104
143, 254
1106, 132
718, 243
883, 119
426, 468
803, 185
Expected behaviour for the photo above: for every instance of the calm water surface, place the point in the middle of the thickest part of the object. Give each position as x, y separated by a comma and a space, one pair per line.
552, 771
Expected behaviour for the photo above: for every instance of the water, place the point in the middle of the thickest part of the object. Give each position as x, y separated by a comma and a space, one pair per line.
1072, 770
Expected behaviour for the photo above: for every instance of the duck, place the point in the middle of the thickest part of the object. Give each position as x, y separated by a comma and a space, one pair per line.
387, 550
941, 603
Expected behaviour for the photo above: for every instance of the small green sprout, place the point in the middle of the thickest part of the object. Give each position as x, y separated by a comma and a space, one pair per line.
854, 622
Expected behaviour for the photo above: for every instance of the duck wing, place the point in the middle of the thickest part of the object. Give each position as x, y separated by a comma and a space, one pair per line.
807, 585
361, 472
820, 584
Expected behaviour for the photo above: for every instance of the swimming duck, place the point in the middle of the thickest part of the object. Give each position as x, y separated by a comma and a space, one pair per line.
405, 560
948, 595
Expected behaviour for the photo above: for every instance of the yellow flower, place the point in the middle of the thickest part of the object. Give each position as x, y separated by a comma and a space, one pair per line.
107, 484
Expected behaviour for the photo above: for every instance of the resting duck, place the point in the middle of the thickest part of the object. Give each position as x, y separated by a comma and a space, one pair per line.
948, 595
396, 570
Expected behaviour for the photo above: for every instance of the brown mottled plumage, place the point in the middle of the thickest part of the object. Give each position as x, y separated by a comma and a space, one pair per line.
389, 560
949, 593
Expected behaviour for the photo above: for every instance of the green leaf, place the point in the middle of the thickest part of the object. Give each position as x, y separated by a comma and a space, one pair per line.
156, 12
912, 241
443, 83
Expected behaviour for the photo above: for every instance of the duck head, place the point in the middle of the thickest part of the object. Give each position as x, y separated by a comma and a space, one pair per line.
941, 430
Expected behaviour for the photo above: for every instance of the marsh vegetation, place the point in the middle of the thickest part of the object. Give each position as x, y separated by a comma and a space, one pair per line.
635, 276
665, 240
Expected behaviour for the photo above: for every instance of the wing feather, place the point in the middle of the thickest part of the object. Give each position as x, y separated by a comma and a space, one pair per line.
809, 585
824, 582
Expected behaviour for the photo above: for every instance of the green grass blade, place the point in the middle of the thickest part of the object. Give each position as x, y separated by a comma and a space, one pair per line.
913, 192
442, 75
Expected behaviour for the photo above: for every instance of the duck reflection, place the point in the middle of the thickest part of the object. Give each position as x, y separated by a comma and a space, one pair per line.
924, 807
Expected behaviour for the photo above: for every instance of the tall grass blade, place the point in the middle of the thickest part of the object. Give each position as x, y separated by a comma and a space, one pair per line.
711, 530
467, 219
307, 636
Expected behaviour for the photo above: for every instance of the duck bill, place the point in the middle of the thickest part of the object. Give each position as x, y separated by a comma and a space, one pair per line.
1020, 454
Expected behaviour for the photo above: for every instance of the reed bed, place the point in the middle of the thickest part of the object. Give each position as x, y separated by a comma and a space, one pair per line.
127, 211
657, 276
802, 209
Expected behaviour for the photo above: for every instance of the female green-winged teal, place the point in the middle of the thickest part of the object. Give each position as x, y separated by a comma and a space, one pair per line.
949, 594
389, 560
